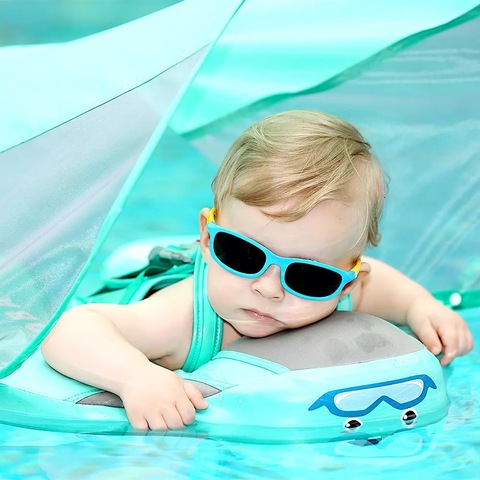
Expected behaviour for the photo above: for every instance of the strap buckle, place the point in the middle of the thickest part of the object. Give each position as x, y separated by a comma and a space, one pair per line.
159, 256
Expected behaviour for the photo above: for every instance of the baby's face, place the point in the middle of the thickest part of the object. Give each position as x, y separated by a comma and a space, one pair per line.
260, 306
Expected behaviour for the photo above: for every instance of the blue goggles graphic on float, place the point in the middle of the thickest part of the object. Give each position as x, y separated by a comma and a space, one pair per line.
359, 401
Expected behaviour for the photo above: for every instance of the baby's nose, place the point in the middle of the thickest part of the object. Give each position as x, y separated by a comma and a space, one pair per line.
269, 285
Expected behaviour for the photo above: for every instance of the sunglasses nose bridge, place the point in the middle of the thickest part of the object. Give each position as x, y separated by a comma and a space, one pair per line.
275, 260
269, 283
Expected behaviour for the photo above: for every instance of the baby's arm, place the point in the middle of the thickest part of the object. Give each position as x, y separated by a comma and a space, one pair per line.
389, 294
113, 346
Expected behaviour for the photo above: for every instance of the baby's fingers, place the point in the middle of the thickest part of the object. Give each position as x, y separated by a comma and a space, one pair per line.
161, 416
456, 338
139, 422
173, 419
429, 337
457, 343
166, 418
466, 340
195, 396
449, 340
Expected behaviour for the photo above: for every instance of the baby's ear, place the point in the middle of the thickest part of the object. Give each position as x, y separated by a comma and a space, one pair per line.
204, 236
363, 273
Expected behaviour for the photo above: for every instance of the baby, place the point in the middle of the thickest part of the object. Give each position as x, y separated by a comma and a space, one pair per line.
297, 201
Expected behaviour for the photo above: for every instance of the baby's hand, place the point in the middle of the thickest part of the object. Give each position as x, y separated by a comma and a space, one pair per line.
161, 400
440, 329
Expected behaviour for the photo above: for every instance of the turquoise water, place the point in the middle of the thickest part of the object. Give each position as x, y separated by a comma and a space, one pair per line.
167, 201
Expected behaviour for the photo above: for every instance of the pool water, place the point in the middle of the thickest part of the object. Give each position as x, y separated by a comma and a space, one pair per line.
167, 201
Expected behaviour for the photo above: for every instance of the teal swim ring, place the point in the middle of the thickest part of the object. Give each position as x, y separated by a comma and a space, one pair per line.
350, 376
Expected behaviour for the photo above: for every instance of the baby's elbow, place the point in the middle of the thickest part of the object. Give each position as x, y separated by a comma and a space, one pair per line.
54, 337
45, 347
49, 344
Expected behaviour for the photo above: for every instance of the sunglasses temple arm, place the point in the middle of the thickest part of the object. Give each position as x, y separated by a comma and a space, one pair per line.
357, 266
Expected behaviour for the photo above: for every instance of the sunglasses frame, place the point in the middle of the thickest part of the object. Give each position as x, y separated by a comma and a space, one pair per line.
274, 259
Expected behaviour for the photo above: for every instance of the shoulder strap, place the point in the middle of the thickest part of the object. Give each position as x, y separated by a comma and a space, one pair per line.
207, 331
345, 303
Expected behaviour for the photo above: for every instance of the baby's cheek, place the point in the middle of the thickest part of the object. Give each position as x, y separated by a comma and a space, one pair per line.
309, 311
219, 289
214, 297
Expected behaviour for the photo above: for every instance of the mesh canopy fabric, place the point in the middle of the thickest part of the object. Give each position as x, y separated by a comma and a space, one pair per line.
63, 187
60, 187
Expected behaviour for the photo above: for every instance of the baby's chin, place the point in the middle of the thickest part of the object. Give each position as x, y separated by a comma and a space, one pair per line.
255, 331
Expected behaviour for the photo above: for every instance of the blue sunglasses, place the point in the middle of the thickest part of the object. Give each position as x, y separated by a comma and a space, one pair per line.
306, 279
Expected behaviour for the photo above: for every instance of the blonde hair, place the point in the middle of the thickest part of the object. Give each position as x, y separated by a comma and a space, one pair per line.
307, 156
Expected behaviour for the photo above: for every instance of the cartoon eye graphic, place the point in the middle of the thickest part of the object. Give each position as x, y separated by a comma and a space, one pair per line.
352, 425
409, 417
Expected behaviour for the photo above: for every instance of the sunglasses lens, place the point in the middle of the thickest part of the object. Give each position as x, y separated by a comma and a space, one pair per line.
312, 280
237, 254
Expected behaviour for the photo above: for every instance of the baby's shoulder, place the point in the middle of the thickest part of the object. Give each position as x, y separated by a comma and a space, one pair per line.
176, 300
